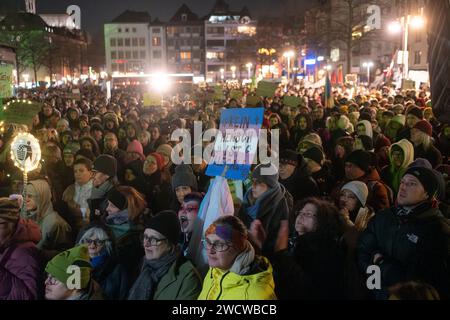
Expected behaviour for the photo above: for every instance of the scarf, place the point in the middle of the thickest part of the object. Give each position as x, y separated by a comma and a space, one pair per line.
118, 218
243, 261
152, 271
98, 261
267, 201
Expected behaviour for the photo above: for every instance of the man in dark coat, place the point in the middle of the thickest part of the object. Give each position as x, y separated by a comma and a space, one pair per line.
410, 241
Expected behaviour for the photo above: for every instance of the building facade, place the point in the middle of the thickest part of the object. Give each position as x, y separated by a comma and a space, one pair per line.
230, 42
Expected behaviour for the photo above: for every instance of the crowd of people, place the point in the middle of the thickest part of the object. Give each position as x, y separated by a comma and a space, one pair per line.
361, 183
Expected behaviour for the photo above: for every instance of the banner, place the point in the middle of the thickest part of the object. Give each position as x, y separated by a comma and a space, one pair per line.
266, 89
292, 101
152, 99
236, 145
218, 93
252, 101
21, 112
236, 94
6, 83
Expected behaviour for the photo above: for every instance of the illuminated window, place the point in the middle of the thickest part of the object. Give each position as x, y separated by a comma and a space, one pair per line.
185, 55
156, 41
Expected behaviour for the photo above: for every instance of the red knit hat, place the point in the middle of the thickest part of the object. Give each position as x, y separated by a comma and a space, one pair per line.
425, 127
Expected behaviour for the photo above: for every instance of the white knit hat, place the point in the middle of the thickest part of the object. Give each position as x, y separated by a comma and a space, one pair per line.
359, 189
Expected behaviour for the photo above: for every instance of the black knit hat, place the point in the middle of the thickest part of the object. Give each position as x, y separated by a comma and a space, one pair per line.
314, 153
366, 141
416, 111
97, 126
427, 178
290, 157
184, 176
167, 223
271, 180
361, 159
86, 153
117, 198
105, 164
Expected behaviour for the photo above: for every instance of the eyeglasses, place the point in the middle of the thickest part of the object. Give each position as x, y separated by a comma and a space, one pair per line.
152, 240
51, 280
306, 214
217, 246
96, 242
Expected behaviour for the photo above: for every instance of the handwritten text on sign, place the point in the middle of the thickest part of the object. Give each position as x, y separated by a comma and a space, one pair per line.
236, 144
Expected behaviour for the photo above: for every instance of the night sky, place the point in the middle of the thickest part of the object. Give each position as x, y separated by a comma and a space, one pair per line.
94, 13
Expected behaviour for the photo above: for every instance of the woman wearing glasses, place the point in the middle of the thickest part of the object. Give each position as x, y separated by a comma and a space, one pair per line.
236, 272
165, 273
107, 271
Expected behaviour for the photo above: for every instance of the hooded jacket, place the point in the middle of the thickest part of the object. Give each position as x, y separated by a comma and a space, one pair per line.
20, 264
95, 147
226, 285
414, 247
391, 175
367, 126
393, 134
56, 232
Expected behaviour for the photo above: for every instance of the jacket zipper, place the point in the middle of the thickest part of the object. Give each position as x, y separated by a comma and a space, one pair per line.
220, 284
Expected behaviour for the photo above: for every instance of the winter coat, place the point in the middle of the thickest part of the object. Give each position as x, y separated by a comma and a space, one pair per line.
414, 247
112, 278
98, 200
93, 292
56, 232
258, 284
431, 154
158, 193
271, 208
324, 179
315, 268
20, 264
120, 156
73, 215
391, 175
181, 282
300, 184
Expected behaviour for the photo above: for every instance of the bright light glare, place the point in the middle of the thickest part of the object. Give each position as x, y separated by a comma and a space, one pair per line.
394, 27
368, 64
417, 22
288, 54
160, 82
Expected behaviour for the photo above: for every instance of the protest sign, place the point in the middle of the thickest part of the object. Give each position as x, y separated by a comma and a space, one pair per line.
252, 101
292, 101
218, 93
21, 112
236, 144
6, 89
266, 89
236, 94
152, 99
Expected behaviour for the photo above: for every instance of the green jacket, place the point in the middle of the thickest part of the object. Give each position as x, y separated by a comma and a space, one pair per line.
181, 282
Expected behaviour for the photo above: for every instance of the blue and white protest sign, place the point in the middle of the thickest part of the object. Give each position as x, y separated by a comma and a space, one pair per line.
236, 144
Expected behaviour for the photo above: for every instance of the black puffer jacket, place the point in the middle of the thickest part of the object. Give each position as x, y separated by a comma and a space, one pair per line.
414, 247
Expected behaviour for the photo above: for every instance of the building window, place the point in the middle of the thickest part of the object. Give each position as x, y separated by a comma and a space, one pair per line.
195, 30
188, 29
121, 55
157, 54
184, 17
127, 42
142, 42
134, 30
114, 67
135, 55
134, 42
127, 54
156, 41
112, 42
197, 54
127, 30
185, 55
156, 30
143, 54
417, 57
216, 43
171, 42
119, 30
113, 55
120, 42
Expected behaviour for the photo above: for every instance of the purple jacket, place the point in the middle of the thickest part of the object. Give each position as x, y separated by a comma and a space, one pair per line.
20, 264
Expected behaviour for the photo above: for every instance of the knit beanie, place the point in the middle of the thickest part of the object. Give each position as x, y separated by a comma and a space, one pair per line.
117, 198
421, 162
359, 189
289, 157
71, 148
314, 153
78, 256
165, 150
271, 180
105, 164
416, 111
360, 158
9, 209
136, 147
96, 127
425, 127
184, 176
166, 222
427, 178
313, 138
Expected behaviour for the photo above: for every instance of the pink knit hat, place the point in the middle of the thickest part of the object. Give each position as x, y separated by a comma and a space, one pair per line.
136, 147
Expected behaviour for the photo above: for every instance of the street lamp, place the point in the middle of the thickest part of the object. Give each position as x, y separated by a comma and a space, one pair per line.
289, 55
416, 22
249, 69
368, 65
233, 70
327, 67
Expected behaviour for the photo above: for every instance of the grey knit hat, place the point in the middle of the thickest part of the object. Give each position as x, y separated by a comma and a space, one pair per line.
271, 179
184, 176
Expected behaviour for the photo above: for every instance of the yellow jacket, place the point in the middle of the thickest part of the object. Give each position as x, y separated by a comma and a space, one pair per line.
227, 285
